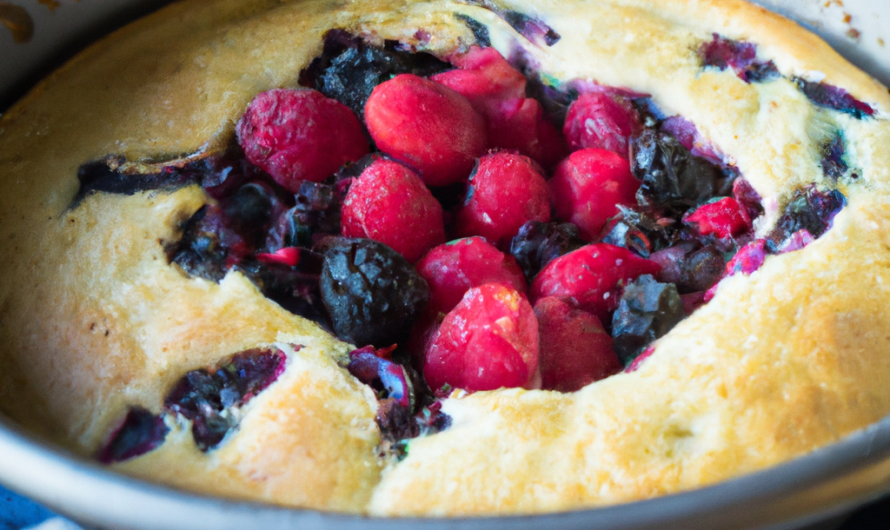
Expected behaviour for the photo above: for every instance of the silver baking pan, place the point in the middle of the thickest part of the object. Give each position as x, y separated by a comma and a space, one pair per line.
811, 491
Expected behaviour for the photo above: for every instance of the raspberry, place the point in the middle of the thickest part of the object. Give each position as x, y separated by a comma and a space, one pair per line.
428, 126
504, 193
575, 349
590, 277
297, 135
489, 341
723, 218
453, 268
588, 186
390, 204
497, 91
484, 77
601, 120
520, 125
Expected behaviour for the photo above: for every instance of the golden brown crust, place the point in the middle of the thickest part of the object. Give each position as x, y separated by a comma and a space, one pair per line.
93, 319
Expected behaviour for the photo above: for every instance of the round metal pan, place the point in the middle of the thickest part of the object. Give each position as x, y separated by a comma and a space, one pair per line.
809, 489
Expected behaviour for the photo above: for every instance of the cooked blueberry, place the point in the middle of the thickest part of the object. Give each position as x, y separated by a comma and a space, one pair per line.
201, 250
833, 164
372, 293
140, 432
388, 379
809, 209
672, 177
249, 211
832, 97
531, 28
700, 269
741, 56
205, 397
537, 244
480, 31
316, 213
647, 311
293, 287
348, 69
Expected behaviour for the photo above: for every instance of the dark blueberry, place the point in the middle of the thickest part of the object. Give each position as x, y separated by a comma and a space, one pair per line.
373, 295
533, 29
808, 209
761, 72
480, 31
348, 69
140, 432
204, 396
201, 250
537, 244
388, 379
249, 212
740, 56
833, 97
396, 421
672, 177
700, 269
725, 53
833, 164
646, 312
316, 213
747, 196
295, 288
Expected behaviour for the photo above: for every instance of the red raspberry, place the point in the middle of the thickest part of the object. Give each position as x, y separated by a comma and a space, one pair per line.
489, 341
427, 126
601, 120
504, 193
451, 269
389, 203
297, 135
484, 77
591, 277
723, 218
497, 91
575, 349
587, 187
519, 124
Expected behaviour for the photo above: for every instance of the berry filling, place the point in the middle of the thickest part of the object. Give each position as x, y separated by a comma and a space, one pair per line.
209, 398
740, 56
591, 225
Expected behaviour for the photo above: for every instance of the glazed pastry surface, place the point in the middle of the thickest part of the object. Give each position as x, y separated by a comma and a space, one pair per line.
93, 317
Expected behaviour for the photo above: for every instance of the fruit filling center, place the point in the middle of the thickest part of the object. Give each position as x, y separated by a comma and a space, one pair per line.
466, 224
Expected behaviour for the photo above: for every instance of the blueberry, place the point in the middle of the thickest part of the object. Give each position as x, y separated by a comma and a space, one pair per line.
537, 244
647, 311
373, 295
140, 433
203, 396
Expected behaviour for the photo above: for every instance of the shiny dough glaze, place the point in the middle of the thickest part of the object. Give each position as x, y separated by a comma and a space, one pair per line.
93, 318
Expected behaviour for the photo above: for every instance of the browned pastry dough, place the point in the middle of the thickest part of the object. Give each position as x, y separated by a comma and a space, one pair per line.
93, 318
